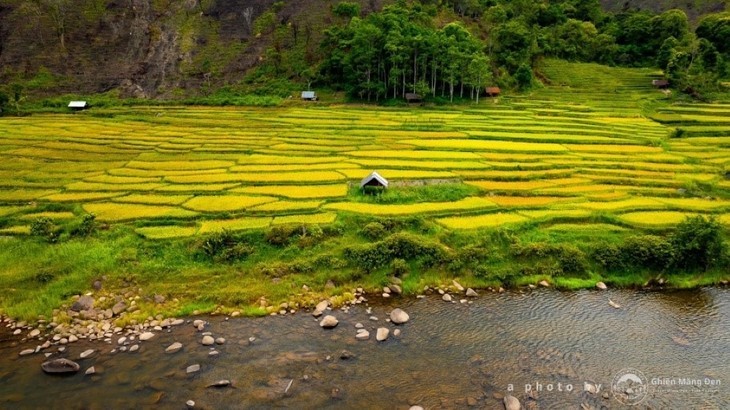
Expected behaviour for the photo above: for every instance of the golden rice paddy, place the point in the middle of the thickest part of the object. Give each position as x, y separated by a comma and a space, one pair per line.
125, 212
234, 224
201, 166
50, 215
167, 232
81, 196
527, 201
284, 206
654, 219
481, 221
153, 199
412, 209
225, 203
314, 219
296, 191
632, 203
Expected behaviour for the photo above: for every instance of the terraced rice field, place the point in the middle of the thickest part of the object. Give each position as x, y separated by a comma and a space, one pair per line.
586, 146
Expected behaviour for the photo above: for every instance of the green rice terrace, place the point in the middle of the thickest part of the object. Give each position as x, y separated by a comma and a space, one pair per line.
216, 207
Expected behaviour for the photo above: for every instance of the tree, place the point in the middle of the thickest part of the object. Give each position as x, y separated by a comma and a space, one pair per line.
17, 96
346, 9
523, 77
671, 23
573, 40
479, 73
716, 29
514, 44
665, 52
59, 13
4, 100
698, 244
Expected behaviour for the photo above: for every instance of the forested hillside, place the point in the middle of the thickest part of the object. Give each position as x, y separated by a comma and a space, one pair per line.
371, 49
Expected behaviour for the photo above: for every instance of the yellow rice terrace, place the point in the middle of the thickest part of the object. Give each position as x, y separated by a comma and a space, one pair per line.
567, 170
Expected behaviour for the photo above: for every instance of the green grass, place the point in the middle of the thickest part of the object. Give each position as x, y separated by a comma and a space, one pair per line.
594, 156
414, 194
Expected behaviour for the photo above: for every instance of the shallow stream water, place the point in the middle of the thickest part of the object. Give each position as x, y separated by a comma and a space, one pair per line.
449, 355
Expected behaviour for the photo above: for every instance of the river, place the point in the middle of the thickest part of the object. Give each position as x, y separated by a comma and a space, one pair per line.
540, 346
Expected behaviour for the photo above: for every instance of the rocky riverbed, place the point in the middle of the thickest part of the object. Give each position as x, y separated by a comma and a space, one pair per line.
392, 352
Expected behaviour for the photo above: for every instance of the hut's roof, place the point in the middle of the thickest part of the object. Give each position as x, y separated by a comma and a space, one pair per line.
308, 94
374, 176
77, 104
413, 96
660, 83
493, 90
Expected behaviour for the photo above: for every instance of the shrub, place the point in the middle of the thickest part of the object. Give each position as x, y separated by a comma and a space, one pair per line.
646, 251
44, 228
697, 244
373, 230
608, 256
571, 259
398, 267
566, 258
225, 247
280, 235
346, 9
401, 245
677, 133
329, 261
44, 277
87, 226
482, 272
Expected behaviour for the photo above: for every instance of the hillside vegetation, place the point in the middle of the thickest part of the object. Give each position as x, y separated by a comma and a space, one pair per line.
591, 178
212, 51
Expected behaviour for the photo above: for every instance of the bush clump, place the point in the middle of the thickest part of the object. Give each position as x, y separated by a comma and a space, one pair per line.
86, 227
698, 245
553, 259
401, 245
226, 247
45, 229
373, 231
307, 235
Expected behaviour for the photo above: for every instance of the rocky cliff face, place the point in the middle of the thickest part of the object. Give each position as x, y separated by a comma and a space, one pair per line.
138, 46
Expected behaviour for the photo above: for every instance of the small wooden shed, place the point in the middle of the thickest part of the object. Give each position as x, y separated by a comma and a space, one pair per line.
413, 97
374, 180
493, 91
78, 105
660, 83
309, 96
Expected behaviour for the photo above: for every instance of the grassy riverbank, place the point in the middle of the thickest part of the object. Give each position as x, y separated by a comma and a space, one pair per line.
233, 272
581, 181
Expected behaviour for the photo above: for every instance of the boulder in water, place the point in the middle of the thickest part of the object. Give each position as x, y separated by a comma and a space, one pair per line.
511, 403
329, 322
220, 383
382, 334
60, 366
399, 316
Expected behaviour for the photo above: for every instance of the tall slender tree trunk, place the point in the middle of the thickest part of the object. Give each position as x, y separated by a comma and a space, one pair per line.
404, 84
479, 86
415, 69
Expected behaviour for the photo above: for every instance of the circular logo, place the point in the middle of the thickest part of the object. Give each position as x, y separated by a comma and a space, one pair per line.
630, 387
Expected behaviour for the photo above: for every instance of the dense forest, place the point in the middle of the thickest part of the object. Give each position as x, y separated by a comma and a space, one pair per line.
372, 49
400, 49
